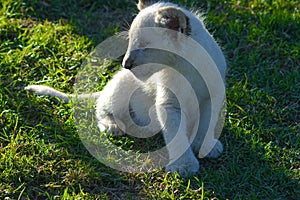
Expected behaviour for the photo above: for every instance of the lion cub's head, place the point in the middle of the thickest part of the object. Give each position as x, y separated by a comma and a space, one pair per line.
146, 33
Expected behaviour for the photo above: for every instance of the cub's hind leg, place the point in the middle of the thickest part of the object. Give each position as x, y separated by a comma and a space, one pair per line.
112, 107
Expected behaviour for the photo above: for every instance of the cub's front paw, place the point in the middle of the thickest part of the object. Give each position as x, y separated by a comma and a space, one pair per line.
215, 152
111, 129
184, 166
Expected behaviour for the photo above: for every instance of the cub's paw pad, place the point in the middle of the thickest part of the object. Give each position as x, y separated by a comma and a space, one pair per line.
184, 169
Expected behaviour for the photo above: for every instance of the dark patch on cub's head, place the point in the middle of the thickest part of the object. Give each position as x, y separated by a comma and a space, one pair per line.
173, 18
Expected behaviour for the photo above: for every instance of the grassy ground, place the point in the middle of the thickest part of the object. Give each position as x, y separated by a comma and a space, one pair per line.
42, 157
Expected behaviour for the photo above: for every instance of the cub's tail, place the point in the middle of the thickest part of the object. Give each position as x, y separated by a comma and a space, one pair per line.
49, 91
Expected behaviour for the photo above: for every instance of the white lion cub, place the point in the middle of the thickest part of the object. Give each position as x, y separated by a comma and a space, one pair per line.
157, 97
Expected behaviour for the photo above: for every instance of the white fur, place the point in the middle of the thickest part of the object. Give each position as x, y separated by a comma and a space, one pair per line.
151, 102
151, 94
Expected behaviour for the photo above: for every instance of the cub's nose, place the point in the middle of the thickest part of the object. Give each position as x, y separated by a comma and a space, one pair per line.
128, 62
130, 59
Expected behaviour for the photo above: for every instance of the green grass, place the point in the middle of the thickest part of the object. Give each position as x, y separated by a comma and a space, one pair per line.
42, 157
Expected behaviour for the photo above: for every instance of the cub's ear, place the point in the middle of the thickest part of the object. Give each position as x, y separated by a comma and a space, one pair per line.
173, 18
145, 3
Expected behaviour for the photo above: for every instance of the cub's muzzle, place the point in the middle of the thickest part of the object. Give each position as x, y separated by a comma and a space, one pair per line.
132, 58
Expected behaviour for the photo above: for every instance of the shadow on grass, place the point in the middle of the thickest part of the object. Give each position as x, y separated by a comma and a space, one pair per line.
262, 139
94, 19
